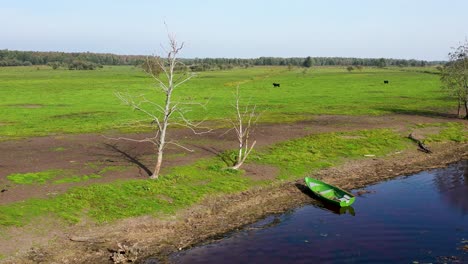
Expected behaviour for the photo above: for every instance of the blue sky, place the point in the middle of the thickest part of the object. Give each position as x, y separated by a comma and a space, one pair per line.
238, 28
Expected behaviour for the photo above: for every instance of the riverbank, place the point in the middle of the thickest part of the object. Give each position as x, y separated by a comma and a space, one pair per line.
420, 217
141, 237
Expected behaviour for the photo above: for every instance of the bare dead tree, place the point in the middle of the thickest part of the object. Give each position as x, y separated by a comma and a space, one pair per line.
243, 124
162, 116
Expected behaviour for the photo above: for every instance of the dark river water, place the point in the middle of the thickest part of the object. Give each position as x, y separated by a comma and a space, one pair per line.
422, 218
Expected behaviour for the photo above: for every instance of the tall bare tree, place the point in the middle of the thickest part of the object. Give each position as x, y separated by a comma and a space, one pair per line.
243, 124
162, 116
454, 76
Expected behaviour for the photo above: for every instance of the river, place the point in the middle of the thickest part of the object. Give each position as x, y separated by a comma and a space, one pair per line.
422, 218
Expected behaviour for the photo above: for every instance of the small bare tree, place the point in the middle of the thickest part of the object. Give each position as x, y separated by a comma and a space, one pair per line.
243, 124
161, 116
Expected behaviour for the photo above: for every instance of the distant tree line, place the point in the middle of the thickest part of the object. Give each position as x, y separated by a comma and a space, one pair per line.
198, 64
28, 58
79, 60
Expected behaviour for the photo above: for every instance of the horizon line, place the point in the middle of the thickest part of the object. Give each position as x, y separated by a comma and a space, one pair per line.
243, 58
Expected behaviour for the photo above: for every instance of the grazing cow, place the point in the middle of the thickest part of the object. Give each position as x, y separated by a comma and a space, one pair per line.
276, 85
385, 81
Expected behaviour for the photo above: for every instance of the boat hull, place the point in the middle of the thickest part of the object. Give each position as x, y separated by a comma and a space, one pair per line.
329, 193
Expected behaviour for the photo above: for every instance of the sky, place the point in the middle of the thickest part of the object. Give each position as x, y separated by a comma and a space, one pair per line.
406, 29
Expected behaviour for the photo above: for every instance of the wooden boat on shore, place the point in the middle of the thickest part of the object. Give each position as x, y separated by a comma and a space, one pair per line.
330, 193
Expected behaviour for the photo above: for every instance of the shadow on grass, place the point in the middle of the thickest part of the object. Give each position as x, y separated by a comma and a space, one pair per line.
427, 113
225, 156
126, 155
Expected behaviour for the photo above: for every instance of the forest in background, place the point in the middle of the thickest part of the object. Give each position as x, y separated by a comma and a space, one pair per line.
89, 60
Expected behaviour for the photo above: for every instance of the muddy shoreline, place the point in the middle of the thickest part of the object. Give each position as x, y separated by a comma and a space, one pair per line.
143, 237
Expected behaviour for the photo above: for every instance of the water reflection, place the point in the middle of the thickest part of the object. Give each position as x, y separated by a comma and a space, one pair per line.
336, 209
268, 222
452, 184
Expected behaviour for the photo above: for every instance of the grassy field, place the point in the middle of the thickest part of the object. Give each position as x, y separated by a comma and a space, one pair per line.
41, 101
45, 101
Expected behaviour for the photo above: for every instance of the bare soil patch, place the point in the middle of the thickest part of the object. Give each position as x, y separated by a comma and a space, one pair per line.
165, 198
82, 114
6, 123
29, 106
260, 171
421, 133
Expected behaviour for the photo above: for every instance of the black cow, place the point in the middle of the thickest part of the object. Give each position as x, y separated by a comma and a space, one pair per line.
276, 85
385, 81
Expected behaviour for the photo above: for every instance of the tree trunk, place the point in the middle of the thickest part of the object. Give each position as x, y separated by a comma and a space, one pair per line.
157, 168
162, 143
421, 145
466, 109
243, 152
239, 157
237, 166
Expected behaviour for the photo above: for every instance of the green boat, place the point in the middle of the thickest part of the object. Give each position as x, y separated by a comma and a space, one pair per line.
330, 193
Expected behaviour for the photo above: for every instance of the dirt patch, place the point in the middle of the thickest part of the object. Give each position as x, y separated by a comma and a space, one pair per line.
6, 123
31, 236
82, 114
422, 133
29, 106
165, 198
351, 137
260, 171
201, 183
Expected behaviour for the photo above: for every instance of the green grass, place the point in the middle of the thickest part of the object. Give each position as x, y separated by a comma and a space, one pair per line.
451, 131
34, 178
106, 202
77, 178
298, 157
45, 102
61, 176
